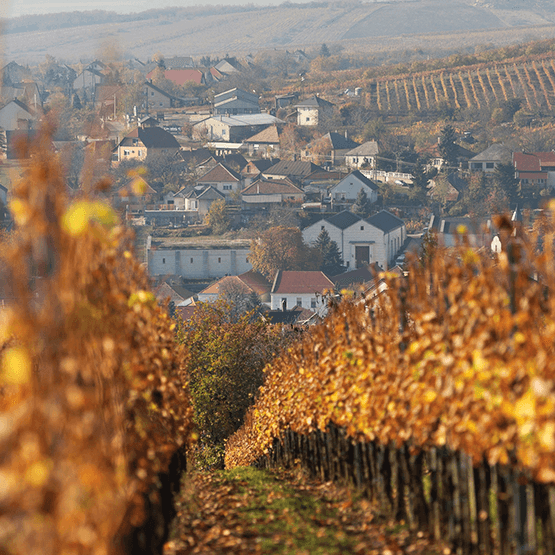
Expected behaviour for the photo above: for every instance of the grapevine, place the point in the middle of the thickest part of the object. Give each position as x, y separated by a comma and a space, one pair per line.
508, 73
482, 84
378, 96
548, 73
530, 83
418, 105
388, 97
456, 96
491, 85
425, 92
409, 107
444, 87
542, 84
523, 86
465, 91
501, 83
396, 82
471, 81
434, 88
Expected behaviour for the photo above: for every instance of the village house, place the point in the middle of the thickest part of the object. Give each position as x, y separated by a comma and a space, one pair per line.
196, 201
158, 99
87, 80
15, 115
254, 169
223, 179
228, 66
331, 148
266, 143
147, 140
376, 239
347, 190
233, 129
312, 110
301, 289
297, 171
264, 193
489, 159
363, 156
198, 260
235, 102
535, 168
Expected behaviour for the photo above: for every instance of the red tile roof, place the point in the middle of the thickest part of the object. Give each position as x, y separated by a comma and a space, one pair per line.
181, 76
526, 162
291, 282
533, 162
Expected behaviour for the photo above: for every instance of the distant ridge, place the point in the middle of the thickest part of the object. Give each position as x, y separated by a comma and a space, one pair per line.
436, 25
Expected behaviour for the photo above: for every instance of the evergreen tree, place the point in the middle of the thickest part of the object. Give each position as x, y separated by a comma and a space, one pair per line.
77, 102
504, 178
362, 206
332, 263
325, 51
421, 178
447, 146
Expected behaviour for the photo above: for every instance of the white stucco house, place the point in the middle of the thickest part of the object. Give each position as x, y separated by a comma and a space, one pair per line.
311, 111
303, 289
348, 188
223, 179
376, 239
364, 155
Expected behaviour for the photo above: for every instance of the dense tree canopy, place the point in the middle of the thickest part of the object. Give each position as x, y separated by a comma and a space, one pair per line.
282, 248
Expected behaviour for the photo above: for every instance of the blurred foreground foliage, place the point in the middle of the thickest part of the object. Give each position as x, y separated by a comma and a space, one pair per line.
92, 403
459, 353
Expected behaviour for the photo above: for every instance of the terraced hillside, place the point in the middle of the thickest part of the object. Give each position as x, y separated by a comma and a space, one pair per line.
532, 80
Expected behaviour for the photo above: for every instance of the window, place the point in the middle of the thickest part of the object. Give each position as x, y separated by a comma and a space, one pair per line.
227, 187
191, 260
126, 153
313, 303
140, 152
219, 260
151, 93
299, 301
163, 260
489, 165
307, 119
361, 228
322, 227
223, 131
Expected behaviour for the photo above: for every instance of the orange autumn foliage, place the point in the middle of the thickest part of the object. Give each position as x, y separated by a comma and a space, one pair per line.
92, 404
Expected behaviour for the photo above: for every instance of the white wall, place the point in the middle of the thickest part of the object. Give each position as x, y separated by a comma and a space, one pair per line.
198, 263
306, 301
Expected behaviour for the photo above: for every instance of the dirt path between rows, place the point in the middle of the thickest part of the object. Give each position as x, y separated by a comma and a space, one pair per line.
248, 511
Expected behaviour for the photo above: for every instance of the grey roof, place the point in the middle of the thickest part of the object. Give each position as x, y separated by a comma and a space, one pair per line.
344, 219
210, 194
339, 141
496, 152
154, 137
313, 101
295, 169
385, 221
369, 148
246, 119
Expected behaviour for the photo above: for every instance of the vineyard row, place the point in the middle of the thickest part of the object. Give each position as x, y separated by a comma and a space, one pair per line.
437, 491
